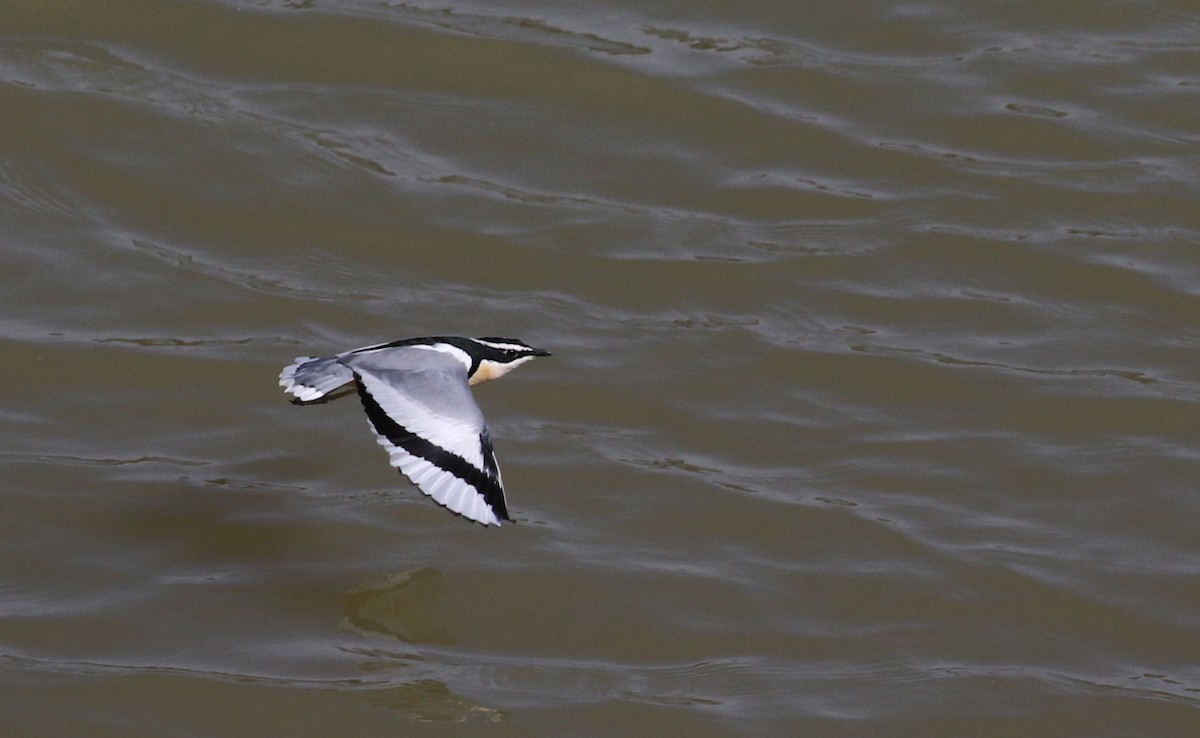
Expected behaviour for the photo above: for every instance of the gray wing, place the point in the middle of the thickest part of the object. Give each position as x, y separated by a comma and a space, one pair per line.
420, 406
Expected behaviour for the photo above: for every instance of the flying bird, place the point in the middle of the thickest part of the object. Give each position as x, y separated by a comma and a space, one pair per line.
417, 396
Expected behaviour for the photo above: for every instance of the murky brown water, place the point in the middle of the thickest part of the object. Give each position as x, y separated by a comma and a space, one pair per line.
872, 410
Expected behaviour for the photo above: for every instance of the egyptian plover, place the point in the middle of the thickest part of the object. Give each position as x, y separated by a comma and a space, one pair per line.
416, 393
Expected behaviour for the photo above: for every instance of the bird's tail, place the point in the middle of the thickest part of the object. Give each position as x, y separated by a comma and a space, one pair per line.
312, 380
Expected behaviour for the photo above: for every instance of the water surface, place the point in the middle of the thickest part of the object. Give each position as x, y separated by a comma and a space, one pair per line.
871, 411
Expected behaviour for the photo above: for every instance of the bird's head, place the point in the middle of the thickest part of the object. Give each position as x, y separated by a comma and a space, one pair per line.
494, 357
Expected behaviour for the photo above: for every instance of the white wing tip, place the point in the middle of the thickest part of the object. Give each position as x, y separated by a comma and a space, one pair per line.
440, 486
287, 377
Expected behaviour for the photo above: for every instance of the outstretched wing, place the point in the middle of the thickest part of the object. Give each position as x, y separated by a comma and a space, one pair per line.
423, 414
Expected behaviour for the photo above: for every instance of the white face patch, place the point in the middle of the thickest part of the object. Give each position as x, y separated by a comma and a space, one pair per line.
489, 369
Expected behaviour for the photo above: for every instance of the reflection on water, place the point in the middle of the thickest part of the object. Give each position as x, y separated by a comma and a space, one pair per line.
431, 701
404, 606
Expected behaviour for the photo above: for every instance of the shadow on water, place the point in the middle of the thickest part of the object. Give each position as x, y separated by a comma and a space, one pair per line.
402, 605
